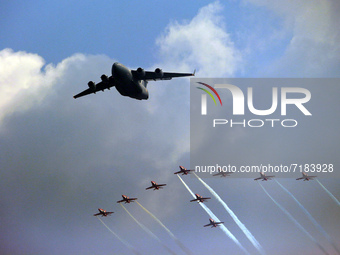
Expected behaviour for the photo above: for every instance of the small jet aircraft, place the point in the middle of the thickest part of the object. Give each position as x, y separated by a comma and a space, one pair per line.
222, 173
264, 177
213, 224
306, 177
199, 199
126, 199
155, 186
183, 171
102, 212
131, 83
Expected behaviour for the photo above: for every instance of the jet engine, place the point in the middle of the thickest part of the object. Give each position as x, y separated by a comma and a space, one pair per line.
92, 85
159, 72
140, 72
104, 78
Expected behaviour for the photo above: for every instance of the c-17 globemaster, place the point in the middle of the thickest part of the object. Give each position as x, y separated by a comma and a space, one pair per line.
131, 83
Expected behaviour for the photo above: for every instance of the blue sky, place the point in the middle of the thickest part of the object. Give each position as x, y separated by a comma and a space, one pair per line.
61, 158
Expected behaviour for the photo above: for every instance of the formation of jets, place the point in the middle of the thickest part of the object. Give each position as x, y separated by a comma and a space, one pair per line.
130, 83
199, 198
102, 213
264, 177
222, 173
126, 199
213, 223
156, 186
183, 171
306, 177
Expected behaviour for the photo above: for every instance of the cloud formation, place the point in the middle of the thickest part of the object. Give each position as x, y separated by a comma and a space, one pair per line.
313, 49
202, 43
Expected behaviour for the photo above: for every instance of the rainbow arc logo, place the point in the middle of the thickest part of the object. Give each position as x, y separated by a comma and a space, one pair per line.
209, 93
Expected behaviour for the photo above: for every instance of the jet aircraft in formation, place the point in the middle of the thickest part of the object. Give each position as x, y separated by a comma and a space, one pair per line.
222, 173
183, 171
306, 177
131, 83
102, 212
155, 186
199, 198
126, 199
264, 177
213, 223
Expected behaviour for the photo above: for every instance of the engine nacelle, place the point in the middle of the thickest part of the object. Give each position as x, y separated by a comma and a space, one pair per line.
159, 72
140, 72
104, 78
92, 85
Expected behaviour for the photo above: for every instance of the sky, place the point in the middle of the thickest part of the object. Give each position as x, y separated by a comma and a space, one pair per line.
62, 158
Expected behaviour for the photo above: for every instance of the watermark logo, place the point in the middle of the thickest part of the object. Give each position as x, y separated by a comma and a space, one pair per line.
239, 99
204, 97
280, 98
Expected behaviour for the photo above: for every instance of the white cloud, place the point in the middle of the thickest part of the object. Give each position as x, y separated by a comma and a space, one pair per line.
202, 43
313, 49
20, 79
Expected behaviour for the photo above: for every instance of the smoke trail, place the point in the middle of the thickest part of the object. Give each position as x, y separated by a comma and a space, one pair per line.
120, 239
185, 249
310, 217
294, 220
235, 218
213, 216
328, 192
148, 231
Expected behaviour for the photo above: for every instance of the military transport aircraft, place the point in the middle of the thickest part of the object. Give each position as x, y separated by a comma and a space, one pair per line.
126, 199
199, 199
102, 212
131, 83
306, 177
264, 177
213, 224
155, 186
222, 173
183, 171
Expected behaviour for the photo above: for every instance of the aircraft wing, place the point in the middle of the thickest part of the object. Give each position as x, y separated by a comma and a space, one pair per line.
120, 201
207, 225
96, 214
300, 178
151, 187
149, 75
257, 178
99, 86
160, 185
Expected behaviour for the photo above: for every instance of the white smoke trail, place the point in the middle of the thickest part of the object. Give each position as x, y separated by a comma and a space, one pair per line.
213, 216
185, 249
329, 193
119, 238
293, 220
148, 231
310, 217
235, 218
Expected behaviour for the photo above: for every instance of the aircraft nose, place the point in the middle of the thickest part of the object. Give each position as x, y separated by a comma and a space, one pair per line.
114, 69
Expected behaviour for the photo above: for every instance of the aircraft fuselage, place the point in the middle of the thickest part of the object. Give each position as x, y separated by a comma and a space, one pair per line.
126, 84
